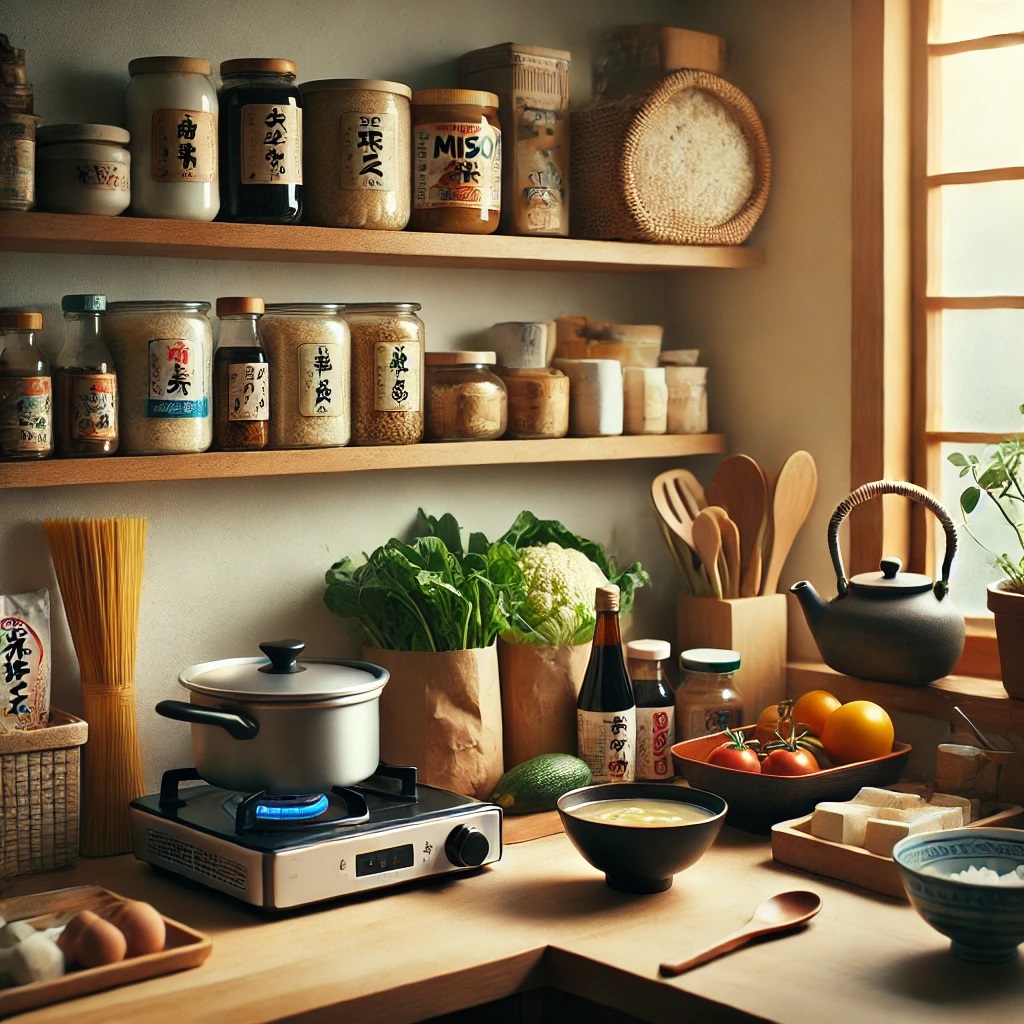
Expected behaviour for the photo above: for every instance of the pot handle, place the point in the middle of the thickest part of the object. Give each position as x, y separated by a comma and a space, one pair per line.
237, 725
907, 490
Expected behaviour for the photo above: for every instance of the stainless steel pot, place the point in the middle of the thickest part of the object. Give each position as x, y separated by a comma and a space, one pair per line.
279, 724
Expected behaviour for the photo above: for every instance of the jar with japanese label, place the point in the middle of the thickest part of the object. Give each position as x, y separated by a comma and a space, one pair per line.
172, 108
387, 372
707, 700
83, 168
260, 142
310, 356
358, 153
456, 151
465, 399
241, 378
655, 708
26, 391
163, 357
17, 160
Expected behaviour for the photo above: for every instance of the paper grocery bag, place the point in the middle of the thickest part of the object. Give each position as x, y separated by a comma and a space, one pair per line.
442, 713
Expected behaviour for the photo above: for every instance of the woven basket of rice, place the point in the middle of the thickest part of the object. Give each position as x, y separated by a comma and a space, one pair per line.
687, 163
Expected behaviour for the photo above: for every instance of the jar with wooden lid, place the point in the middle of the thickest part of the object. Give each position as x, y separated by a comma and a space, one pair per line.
310, 359
538, 402
172, 107
358, 153
26, 390
241, 378
466, 400
387, 372
260, 141
83, 168
456, 161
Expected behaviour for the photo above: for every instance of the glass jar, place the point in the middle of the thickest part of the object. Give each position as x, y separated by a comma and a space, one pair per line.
708, 700
655, 708
358, 157
465, 400
17, 160
387, 372
538, 402
26, 392
456, 138
171, 106
163, 355
687, 411
83, 168
241, 381
260, 142
310, 353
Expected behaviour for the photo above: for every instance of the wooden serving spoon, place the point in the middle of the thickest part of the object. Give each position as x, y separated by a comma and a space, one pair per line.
795, 490
729, 561
707, 540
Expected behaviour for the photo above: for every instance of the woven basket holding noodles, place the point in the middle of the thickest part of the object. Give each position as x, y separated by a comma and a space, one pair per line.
687, 163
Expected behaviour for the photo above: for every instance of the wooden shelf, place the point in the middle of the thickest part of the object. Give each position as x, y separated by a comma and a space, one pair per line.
222, 465
136, 236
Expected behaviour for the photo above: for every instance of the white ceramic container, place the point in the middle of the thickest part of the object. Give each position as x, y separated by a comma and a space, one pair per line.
595, 396
645, 400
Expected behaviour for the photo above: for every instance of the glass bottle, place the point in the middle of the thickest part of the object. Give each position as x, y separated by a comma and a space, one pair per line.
241, 378
26, 390
708, 700
84, 382
606, 709
655, 708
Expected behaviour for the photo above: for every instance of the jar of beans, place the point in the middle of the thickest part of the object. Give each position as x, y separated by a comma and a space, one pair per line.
387, 372
466, 400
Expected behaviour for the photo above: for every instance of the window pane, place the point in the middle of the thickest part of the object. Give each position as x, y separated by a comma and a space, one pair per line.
970, 19
982, 233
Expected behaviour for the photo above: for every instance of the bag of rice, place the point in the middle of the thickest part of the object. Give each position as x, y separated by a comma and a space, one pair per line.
24, 660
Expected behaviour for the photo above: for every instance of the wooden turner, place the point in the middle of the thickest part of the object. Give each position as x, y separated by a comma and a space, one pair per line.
795, 490
707, 539
729, 560
677, 528
740, 488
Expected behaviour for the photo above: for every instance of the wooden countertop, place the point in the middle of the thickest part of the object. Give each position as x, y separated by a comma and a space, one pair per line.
543, 917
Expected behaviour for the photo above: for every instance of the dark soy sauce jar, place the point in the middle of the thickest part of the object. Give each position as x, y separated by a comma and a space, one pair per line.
260, 142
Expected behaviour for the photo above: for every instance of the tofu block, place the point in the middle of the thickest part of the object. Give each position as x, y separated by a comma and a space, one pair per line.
881, 834
841, 822
874, 796
951, 817
949, 800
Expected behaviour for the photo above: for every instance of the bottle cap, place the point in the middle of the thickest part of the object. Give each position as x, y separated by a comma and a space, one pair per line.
235, 305
454, 97
710, 659
83, 303
13, 321
649, 650
607, 598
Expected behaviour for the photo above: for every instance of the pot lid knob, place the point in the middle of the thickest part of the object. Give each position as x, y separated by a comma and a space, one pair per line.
890, 566
283, 655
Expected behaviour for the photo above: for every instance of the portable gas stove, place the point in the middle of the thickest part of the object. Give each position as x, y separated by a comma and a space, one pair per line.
280, 852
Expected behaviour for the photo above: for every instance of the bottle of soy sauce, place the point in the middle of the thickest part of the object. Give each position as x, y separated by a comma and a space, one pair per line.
606, 709
241, 378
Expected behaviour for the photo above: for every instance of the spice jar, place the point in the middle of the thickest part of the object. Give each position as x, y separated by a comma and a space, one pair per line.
465, 400
538, 402
457, 157
260, 142
357, 158
241, 380
163, 355
387, 372
172, 116
707, 700
309, 351
83, 168
17, 160
26, 406
687, 399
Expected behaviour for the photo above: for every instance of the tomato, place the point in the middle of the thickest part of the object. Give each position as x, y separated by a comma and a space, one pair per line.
813, 708
857, 731
735, 754
789, 762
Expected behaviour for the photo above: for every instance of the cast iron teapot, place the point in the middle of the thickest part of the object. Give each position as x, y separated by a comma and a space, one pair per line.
888, 626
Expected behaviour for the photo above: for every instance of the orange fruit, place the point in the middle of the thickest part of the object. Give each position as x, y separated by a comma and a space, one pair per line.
857, 731
813, 708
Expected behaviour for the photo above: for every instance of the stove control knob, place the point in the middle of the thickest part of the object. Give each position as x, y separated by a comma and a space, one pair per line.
466, 847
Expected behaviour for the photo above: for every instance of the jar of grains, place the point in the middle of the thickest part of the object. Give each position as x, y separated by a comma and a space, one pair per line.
172, 116
465, 400
163, 355
356, 160
83, 168
538, 402
387, 372
309, 352
457, 157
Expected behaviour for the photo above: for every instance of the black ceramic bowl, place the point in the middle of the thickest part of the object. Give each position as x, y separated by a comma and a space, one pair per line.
639, 858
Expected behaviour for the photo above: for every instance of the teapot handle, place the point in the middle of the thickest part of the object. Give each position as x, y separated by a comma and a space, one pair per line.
908, 490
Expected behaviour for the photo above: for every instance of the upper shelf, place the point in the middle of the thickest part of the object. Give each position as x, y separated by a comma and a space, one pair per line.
137, 236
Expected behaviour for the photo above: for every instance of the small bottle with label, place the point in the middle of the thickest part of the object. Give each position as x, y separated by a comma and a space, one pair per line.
606, 708
26, 390
241, 378
655, 709
708, 700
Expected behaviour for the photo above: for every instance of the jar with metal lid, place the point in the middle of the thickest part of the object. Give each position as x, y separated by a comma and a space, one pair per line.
241, 378
26, 390
83, 168
358, 153
457, 161
260, 141
538, 402
387, 372
172, 116
708, 700
310, 353
163, 355
465, 399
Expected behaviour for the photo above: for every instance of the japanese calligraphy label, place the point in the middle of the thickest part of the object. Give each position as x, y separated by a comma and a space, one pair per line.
457, 165
368, 147
606, 743
322, 380
24, 660
110, 177
654, 727
26, 415
93, 406
271, 144
248, 391
184, 145
177, 384
397, 376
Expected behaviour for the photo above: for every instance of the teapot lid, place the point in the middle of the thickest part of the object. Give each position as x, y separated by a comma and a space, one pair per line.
890, 581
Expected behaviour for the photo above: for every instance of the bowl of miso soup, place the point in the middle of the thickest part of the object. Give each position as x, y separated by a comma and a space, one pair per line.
641, 834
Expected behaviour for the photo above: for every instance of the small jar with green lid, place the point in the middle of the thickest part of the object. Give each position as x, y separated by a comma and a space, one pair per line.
466, 400
708, 700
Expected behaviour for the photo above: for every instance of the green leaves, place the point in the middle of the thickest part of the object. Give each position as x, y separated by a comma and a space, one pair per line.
969, 500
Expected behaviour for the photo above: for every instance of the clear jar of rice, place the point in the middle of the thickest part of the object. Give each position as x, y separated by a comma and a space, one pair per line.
163, 354
309, 353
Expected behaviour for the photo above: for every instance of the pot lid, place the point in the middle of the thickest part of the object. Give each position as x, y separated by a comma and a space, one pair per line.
281, 677
890, 581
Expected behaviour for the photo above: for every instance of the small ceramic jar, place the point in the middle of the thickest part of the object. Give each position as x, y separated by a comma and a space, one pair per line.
687, 399
645, 399
522, 343
595, 396
83, 168
538, 402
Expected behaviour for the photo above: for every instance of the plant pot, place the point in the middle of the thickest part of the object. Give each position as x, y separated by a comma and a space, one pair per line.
1008, 609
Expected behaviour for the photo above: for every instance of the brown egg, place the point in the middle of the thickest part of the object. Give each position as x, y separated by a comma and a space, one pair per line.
142, 925
98, 943
73, 928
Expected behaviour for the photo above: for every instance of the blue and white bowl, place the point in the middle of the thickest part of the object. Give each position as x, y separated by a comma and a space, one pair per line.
985, 922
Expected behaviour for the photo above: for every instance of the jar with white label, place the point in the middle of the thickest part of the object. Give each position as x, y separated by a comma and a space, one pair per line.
356, 158
83, 168
26, 390
708, 700
172, 116
309, 352
163, 356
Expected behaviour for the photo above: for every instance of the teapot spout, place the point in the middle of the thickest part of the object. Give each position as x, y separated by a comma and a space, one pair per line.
813, 606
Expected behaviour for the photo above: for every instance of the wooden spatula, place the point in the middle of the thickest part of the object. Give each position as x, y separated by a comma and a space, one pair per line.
707, 539
795, 490
740, 488
729, 561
